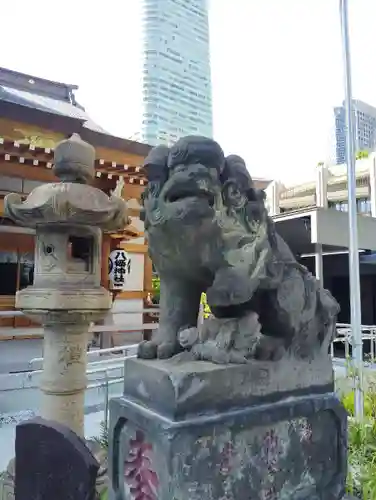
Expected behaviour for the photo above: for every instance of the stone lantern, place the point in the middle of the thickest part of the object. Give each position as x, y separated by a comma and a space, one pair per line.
66, 296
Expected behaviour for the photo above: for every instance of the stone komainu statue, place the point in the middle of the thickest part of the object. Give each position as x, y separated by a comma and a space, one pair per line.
208, 231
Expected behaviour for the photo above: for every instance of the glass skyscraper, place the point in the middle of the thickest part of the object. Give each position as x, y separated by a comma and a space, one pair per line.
176, 80
365, 129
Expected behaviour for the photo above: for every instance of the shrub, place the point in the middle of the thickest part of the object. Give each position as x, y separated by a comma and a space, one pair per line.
361, 478
102, 439
156, 282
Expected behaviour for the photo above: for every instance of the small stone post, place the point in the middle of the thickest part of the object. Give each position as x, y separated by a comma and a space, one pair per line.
64, 375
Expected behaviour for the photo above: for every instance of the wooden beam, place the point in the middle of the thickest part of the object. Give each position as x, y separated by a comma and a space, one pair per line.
141, 294
27, 172
52, 124
42, 174
16, 336
7, 302
134, 248
109, 148
26, 151
128, 232
17, 242
23, 152
122, 157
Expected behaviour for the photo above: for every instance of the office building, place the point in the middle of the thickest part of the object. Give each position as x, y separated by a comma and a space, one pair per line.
176, 81
313, 219
365, 129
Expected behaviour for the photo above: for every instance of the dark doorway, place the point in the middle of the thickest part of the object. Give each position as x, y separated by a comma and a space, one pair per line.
340, 289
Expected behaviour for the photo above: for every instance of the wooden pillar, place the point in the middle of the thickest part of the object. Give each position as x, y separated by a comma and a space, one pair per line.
148, 274
106, 250
105, 338
148, 289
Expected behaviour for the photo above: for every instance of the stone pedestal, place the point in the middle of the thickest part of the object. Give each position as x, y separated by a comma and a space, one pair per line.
195, 430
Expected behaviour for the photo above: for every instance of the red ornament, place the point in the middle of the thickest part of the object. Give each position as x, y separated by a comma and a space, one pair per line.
139, 475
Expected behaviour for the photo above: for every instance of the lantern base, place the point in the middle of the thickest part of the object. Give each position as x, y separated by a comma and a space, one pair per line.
64, 305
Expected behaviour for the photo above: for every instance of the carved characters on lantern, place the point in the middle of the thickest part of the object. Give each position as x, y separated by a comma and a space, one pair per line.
119, 269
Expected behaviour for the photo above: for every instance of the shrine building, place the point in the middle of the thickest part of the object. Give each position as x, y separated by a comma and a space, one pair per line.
36, 114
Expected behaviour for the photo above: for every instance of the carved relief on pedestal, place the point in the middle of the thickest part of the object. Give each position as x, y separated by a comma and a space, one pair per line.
140, 479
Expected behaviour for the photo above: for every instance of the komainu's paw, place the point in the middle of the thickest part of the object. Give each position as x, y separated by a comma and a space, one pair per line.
167, 350
161, 350
147, 350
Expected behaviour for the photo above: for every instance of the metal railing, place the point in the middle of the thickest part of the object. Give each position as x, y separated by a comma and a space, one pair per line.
111, 372
344, 337
112, 366
114, 328
343, 334
126, 350
16, 313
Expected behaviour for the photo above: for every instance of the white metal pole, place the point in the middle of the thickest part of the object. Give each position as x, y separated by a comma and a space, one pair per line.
319, 264
353, 228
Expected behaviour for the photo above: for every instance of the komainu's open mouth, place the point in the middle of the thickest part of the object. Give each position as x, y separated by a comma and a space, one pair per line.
204, 195
182, 193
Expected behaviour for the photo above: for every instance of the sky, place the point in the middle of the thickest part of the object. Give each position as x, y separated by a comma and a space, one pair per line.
276, 69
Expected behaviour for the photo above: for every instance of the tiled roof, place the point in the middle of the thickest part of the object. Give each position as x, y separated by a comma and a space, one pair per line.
48, 104
53, 105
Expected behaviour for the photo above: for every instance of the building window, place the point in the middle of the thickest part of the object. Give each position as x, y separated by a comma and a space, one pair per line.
341, 206
363, 205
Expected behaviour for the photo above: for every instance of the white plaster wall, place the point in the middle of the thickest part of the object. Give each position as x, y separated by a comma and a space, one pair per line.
133, 203
135, 279
128, 312
137, 223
